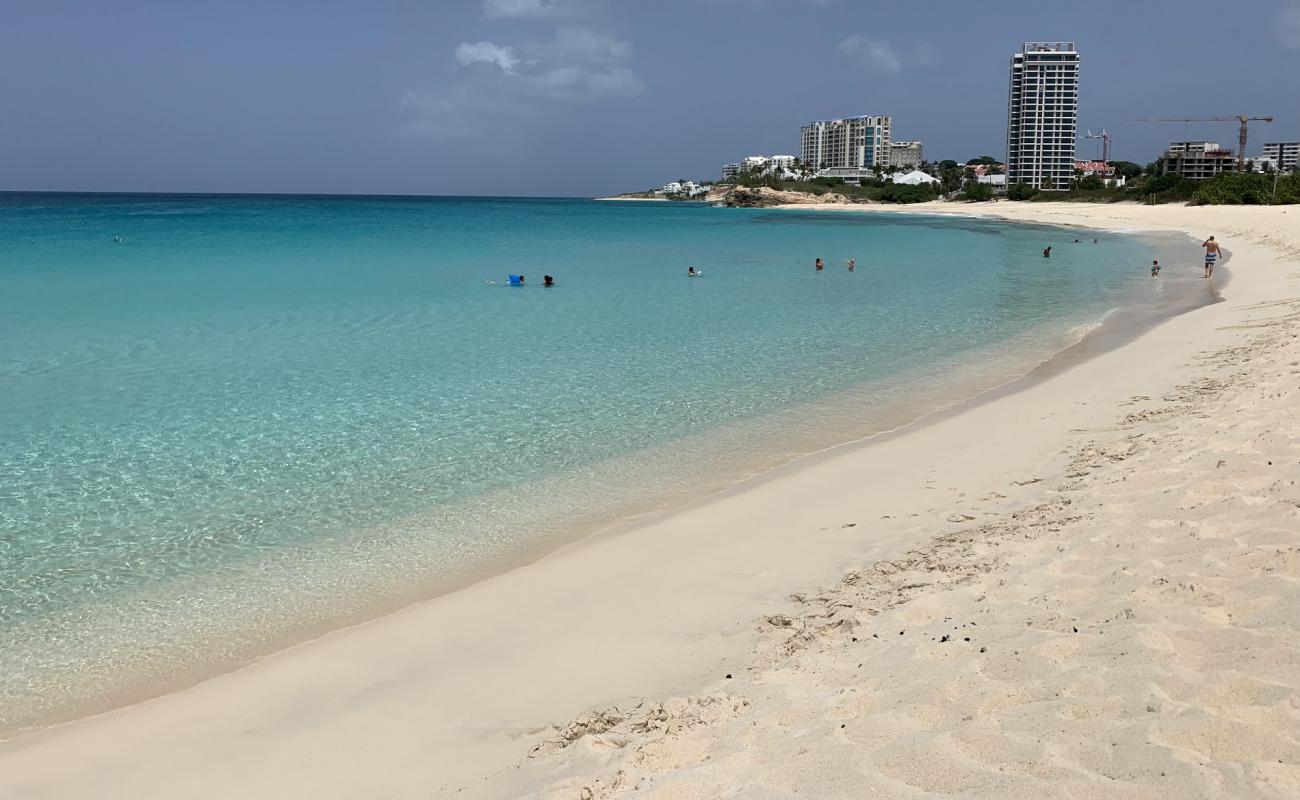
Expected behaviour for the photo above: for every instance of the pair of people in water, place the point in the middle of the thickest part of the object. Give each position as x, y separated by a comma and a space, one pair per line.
518, 280
819, 265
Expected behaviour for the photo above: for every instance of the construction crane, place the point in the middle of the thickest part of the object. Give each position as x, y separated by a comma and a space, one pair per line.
1241, 133
1104, 135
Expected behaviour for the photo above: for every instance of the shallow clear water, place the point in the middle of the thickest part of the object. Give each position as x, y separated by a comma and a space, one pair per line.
256, 415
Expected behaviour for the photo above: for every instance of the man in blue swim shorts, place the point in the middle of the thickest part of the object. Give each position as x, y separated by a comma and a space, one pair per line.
1211, 255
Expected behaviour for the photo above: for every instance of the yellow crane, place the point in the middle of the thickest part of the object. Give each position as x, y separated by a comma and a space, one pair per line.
1238, 118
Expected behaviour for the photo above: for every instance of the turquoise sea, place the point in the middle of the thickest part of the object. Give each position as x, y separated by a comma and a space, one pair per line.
227, 422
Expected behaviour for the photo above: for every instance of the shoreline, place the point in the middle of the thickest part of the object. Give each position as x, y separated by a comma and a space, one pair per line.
995, 376
339, 676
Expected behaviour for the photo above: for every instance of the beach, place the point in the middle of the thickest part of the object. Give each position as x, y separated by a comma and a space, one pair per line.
1084, 586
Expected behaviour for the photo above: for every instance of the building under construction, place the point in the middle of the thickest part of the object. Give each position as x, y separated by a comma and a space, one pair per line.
1197, 161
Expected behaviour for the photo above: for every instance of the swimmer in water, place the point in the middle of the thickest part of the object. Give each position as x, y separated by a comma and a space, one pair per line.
691, 273
1155, 268
1047, 252
547, 280
818, 265
852, 264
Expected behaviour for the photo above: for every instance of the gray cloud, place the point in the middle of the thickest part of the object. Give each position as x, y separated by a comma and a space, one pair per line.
1288, 26
876, 54
577, 65
527, 9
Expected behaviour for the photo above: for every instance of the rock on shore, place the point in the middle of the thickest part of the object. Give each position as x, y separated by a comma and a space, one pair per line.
764, 197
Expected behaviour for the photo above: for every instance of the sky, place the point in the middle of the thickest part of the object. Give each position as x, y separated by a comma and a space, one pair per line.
585, 97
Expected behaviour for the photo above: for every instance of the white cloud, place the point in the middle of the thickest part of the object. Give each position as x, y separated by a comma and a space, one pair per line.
877, 54
523, 9
577, 65
486, 53
1288, 26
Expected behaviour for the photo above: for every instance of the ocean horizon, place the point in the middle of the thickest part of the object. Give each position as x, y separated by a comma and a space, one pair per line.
231, 421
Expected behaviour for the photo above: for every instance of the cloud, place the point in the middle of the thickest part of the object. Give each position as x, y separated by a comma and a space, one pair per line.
925, 55
581, 45
1288, 26
577, 65
583, 83
486, 53
876, 54
527, 9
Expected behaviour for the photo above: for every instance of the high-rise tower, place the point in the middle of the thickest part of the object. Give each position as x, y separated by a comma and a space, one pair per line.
1043, 115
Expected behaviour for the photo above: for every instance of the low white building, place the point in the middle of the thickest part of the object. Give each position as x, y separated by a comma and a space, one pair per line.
996, 181
688, 188
781, 162
753, 162
914, 178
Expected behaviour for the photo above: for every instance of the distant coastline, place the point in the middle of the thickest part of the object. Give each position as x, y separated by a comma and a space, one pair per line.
634, 196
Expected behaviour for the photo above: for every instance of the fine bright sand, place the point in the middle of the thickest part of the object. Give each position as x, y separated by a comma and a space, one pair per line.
1089, 588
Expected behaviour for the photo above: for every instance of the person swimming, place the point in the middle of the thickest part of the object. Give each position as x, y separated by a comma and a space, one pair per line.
1047, 251
692, 272
547, 280
852, 264
818, 265
1155, 268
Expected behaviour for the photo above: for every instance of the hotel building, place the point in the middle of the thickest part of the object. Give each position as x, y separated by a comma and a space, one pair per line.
905, 155
854, 143
1042, 115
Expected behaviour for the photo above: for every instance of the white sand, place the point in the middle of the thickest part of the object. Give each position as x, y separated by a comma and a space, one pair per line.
1130, 497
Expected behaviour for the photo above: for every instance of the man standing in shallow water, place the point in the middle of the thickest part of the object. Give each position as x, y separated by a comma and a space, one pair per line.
1211, 255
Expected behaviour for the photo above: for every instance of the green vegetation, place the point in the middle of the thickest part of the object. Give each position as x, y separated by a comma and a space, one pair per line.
872, 189
976, 191
1143, 185
1229, 188
1233, 189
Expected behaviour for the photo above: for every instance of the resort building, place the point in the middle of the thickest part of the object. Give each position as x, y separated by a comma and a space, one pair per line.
1102, 170
906, 155
781, 162
1286, 154
1197, 160
753, 162
854, 143
729, 171
1042, 115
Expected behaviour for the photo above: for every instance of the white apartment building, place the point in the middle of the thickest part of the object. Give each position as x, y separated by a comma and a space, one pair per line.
1042, 115
752, 162
1286, 154
729, 171
851, 143
781, 162
905, 154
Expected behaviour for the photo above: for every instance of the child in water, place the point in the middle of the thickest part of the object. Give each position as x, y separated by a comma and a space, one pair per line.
1155, 269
